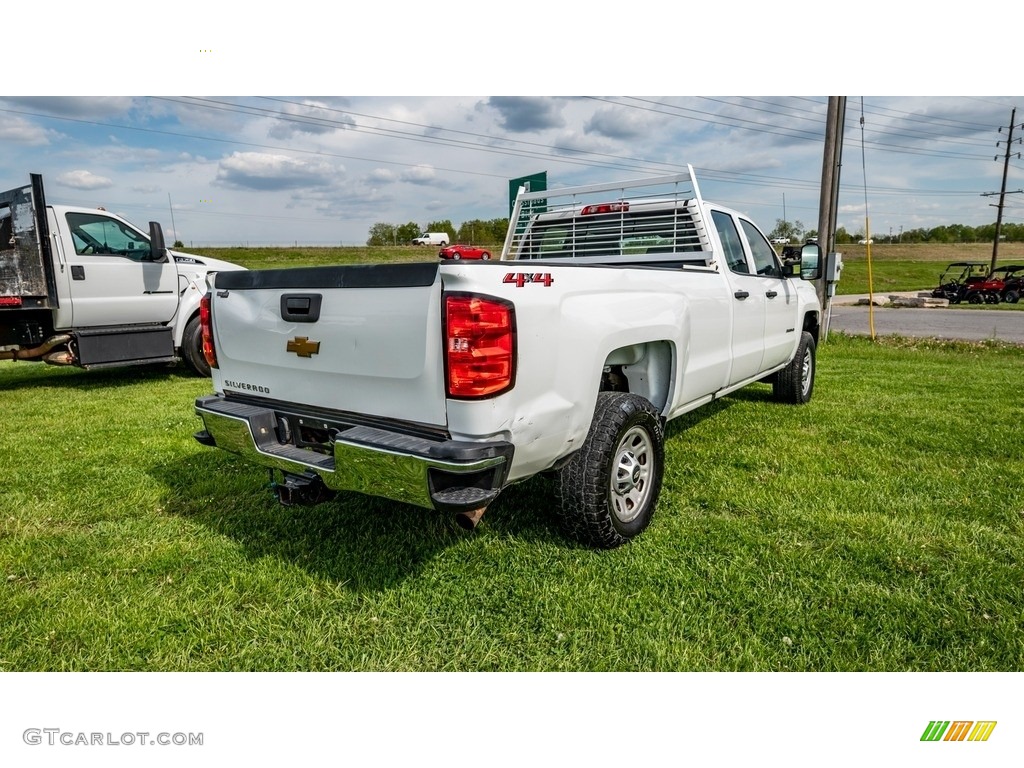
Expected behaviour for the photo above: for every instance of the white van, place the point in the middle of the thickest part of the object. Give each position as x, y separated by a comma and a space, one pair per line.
431, 238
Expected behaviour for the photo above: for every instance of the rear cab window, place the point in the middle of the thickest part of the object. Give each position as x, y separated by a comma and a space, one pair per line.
618, 233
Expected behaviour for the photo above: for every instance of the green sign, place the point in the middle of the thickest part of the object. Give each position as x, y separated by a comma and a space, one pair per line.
538, 182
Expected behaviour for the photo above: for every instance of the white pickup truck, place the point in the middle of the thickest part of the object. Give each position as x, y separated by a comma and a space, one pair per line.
84, 287
614, 308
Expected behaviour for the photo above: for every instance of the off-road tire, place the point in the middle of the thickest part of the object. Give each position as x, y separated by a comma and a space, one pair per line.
794, 384
1011, 297
609, 488
192, 348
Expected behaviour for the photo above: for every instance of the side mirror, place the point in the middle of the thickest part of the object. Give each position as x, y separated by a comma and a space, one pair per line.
157, 245
810, 262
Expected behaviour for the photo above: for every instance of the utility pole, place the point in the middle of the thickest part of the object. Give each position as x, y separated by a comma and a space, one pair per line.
829, 200
1002, 190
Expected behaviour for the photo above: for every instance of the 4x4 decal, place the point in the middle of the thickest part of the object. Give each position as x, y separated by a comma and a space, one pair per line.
522, 278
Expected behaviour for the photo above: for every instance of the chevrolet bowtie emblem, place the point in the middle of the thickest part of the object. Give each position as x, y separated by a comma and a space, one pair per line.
303, 347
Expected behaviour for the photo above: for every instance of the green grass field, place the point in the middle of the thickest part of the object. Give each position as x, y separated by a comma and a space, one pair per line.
877, 528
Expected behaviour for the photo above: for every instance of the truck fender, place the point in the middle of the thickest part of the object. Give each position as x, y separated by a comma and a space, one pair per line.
188, 307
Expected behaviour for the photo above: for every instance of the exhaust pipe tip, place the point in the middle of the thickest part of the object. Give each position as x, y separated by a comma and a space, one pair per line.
469, 520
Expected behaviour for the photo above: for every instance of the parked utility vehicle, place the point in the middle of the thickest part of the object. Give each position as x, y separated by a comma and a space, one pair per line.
84, 287
1013, 282
431, 238
613, 308
1002, 284
957, 278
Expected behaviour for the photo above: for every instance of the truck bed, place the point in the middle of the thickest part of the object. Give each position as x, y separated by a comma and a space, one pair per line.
25, 280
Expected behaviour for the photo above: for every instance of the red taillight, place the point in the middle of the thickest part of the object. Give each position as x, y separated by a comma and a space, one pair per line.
209, 352
10, 301
479, 345
591, 210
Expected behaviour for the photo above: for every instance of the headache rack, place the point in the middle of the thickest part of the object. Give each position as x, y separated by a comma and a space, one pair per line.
656, 221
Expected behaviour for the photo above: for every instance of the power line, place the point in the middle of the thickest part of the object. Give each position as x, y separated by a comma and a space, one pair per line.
325, 117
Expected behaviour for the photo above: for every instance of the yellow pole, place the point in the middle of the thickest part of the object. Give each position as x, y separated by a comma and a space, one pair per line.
871, 284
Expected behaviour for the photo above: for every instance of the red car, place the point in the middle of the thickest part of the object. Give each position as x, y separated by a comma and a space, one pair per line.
463, 252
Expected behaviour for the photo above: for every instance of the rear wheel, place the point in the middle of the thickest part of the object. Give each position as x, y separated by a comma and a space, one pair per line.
485, 255
1011, 297
609, 488
795, 383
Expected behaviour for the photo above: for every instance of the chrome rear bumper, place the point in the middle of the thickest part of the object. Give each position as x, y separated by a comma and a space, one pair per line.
448, 475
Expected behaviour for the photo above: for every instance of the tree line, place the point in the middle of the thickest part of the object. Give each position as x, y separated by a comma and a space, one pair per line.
474, 232
492, 232
952, 233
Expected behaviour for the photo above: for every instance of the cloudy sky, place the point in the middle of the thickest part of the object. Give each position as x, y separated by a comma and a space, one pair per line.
309, 168
322, 169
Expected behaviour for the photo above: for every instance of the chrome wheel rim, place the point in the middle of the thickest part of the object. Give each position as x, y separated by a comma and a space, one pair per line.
806, 371
632, 468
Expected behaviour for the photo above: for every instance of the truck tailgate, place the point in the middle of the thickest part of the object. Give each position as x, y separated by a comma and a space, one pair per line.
363, 338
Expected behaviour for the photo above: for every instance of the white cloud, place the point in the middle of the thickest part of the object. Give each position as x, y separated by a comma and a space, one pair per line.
84, 180
308, 118
382, 176
263, 171
77, 106
421, 174
21, 131
618, 124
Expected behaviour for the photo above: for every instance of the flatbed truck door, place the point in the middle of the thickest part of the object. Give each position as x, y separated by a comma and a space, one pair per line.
113, 280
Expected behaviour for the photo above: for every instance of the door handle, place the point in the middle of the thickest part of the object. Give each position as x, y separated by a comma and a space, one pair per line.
741, 295
771, 294
77, 272
301, 307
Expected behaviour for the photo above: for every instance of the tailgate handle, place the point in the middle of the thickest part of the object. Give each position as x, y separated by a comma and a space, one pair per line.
301, 307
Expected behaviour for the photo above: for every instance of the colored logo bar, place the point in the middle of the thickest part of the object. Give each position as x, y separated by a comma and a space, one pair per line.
958, 730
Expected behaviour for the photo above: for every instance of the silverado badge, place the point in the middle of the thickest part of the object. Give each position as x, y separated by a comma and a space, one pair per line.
303, 347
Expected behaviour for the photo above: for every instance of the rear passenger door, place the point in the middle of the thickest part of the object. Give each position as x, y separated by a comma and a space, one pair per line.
780, 298
748, 300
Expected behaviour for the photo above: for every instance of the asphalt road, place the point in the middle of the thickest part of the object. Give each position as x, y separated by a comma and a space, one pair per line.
966, 324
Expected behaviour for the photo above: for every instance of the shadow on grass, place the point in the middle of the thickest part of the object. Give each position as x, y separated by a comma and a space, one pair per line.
361, 542
689, 420
31, 375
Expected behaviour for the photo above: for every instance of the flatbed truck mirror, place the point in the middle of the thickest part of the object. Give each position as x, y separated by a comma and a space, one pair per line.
158, 247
